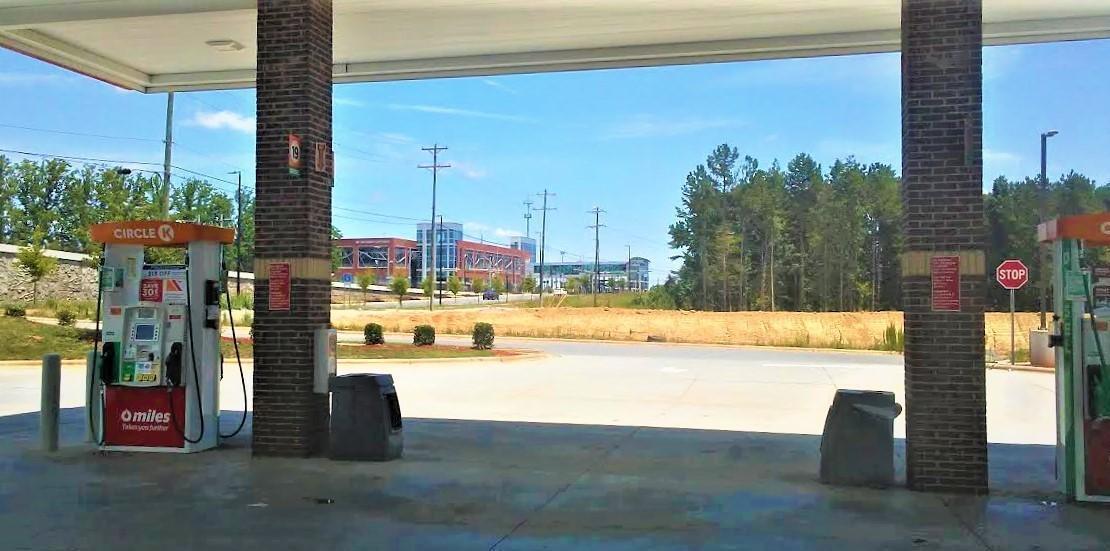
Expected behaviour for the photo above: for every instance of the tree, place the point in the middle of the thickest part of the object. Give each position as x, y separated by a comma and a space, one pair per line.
336, 253
498, 284
33, 260
400, 287
454, 285
428, 285
528, 285
364, 281
478, 285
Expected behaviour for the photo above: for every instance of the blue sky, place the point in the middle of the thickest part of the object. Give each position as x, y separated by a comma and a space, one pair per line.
622, 140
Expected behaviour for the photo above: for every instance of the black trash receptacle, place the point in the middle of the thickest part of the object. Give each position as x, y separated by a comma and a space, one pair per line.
365, 418
857, 447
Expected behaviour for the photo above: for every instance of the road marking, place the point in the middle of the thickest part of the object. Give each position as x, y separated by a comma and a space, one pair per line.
669, 369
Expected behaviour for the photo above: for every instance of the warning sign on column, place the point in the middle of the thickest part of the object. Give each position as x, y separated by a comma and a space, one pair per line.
945, 272
279, 286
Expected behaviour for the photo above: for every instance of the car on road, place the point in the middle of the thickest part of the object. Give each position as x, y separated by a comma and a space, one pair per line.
490, 294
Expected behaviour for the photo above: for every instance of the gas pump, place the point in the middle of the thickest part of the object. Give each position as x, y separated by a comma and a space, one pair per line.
1081, 320
159, 364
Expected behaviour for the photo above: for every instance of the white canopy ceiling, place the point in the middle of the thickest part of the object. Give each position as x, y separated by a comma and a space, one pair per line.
159, 45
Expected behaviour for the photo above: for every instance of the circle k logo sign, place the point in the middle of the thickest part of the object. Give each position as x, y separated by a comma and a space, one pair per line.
165, 233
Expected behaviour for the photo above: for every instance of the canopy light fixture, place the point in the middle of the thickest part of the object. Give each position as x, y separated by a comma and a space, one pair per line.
225, 45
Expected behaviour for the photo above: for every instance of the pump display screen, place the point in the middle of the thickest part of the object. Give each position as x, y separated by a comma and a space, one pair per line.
144, 332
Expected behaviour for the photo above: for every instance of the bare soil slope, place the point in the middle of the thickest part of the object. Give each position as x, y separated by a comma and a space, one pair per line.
860, 330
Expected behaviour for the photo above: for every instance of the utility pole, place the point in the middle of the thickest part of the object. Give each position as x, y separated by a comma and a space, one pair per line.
167, 160
528, 218
438, 285
628, 268
543, 235
597, 247
238, 230
433, 240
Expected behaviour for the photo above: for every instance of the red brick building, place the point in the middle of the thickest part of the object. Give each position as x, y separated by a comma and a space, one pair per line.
483, 261
385, 257
381, 257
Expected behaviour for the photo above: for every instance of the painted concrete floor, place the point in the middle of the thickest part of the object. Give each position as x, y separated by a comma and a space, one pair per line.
597, 446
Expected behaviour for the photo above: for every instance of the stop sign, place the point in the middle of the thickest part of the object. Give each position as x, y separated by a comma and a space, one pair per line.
1012, 274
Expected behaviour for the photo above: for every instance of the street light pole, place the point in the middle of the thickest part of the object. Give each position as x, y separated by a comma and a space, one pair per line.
1043, 208
238, 230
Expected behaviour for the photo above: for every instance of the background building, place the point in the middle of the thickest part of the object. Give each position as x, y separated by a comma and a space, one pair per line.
528, 245
636, 271
384, 257
381, 257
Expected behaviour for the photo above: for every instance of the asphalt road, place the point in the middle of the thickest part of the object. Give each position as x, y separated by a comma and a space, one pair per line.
638, 384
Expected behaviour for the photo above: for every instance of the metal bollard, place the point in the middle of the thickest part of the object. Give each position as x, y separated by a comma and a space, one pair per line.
92, 399
48, 406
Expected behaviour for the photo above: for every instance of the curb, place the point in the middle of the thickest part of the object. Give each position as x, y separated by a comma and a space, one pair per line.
38, 363
528, 355
665, 343
525, 355
1020, 367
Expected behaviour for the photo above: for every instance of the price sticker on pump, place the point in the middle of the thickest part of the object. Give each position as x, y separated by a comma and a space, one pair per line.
165, 285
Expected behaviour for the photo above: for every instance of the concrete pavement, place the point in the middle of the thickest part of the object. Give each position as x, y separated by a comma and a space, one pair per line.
599, 445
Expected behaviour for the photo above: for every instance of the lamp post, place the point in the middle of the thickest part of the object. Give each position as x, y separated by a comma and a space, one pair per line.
1043, 207
238, 229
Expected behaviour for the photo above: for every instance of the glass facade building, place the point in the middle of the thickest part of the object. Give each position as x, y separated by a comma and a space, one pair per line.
637, 271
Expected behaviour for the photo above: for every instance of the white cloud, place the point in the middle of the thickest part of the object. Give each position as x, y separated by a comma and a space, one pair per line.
999, 157
477, 229
651, 126
217, 120
468, 170
348, 102
453, 111
15, 78
394, 137
499, 85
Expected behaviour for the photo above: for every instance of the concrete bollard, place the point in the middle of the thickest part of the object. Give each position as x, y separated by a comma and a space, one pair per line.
49, 404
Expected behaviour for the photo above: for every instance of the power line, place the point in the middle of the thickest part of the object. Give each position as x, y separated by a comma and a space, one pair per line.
83, 134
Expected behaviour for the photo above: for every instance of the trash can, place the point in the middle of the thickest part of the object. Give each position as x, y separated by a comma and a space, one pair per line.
857, 446
365, 418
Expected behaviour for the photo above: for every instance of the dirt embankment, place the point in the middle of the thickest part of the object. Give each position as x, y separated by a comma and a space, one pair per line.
859, 330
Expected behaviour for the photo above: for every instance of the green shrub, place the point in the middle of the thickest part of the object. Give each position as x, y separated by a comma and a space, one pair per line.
894, 339
423, 335
66, 317
15, 311
372, 334
483, 335
242, 301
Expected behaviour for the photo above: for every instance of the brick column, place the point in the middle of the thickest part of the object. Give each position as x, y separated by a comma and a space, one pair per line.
942, 198
292, 223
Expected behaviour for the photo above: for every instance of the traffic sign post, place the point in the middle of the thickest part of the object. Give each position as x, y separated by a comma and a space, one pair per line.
1012, 275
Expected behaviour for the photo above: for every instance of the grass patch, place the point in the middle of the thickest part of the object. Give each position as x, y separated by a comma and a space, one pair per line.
607, 300
389, 351
49, 308
26, 340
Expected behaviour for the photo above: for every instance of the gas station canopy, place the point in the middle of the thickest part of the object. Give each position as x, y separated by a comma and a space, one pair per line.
162, 45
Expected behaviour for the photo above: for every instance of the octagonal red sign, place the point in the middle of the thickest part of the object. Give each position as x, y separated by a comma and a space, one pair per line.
1012, 274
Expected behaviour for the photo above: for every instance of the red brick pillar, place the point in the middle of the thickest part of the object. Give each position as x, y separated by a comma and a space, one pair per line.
942, 197
292, 221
